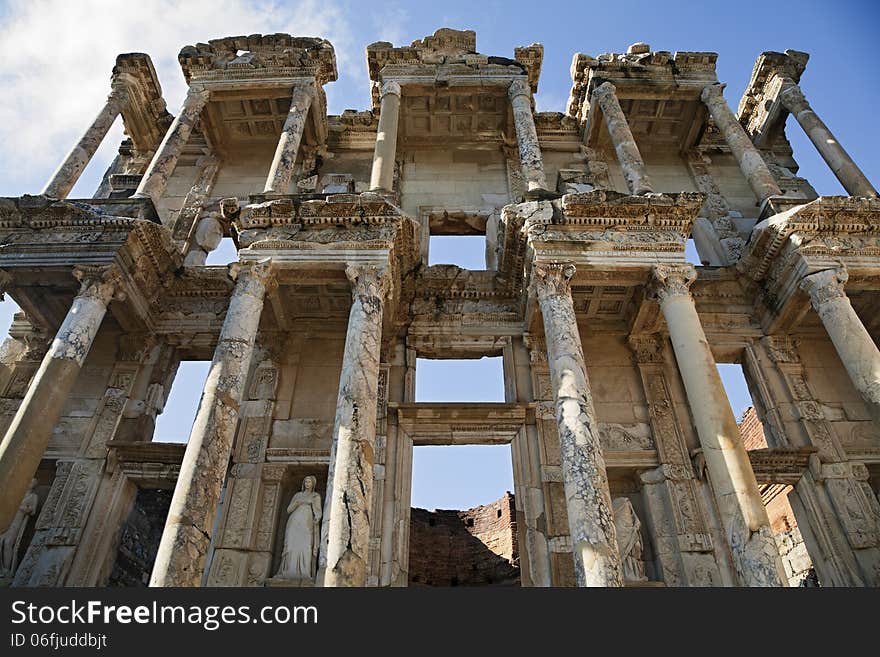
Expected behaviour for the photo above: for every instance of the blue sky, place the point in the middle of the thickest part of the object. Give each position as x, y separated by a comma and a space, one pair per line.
58, 56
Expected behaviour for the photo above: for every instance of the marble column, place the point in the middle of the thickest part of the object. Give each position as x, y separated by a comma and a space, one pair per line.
854, 345
350, 478
751, 163
187, 534
77, 160
382, 175
162, 165
848, 173
530, 157
31, 428
281, 170
733, 483
622, 137
587, 495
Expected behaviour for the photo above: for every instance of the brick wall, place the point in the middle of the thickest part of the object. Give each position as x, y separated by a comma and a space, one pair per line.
476, 547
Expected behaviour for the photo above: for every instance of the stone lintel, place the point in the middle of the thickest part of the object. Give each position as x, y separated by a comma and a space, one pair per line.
780, 465
461, 423
759, 111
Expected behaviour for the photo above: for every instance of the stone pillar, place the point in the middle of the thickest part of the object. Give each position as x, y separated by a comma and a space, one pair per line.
281, 170
848, 173
624, 143
588, 498
350, 479
853, 343
527, 136
184, 546
31, 428
382, 175
751, 163
162, 165
742, 511
77, 160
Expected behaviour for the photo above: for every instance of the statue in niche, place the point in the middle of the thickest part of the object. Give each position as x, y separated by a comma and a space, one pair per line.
301, 533
629, 540
10, 541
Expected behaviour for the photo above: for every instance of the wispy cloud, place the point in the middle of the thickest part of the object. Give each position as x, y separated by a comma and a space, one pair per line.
58, 55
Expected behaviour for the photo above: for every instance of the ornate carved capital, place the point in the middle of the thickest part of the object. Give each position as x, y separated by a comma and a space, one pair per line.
671, 280
553, 278
251, 275
368, 281
713, 93
646, 348
824, 286
196, 97
390, 87
101, 282
793, 97
603, 91
519, 87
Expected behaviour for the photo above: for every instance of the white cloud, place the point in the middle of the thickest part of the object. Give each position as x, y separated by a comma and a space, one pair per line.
58, 55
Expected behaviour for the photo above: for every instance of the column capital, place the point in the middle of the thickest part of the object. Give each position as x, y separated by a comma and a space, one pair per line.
101, 282
713, 93
670, 280
368, 280
553, 278
250, 274
196, 96
826, 285
519, 87
605, 89
792, 96
390, 87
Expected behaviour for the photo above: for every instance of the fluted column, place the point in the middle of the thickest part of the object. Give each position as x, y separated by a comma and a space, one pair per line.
65, 177
848, 173
530, 158
281, 170
743, 516
751, 163
350, 478
162, 165
382, 175
587, 495
622, 137
187, 534
857, 351
31, 428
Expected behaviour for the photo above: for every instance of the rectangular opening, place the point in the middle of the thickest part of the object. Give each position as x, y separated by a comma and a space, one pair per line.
471, 380
466, 251
174, 423
223, 254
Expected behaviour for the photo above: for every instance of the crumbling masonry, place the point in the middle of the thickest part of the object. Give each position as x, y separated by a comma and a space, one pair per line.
609, 337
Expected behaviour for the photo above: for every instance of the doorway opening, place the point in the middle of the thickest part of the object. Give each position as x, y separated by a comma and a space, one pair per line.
174, 422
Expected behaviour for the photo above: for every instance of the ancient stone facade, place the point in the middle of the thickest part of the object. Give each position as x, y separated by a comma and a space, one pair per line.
628, 463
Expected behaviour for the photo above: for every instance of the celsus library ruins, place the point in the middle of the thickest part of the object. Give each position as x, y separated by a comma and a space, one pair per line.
630, 466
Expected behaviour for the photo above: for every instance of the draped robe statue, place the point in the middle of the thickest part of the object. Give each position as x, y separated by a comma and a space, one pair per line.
629, 540
301, 533
10, 540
